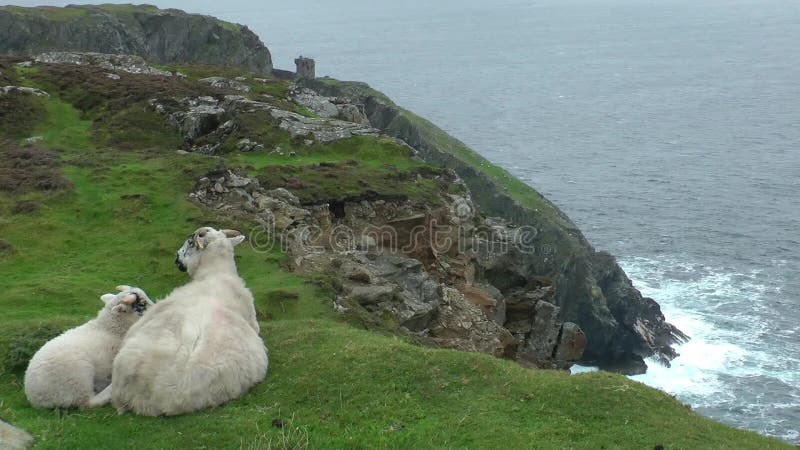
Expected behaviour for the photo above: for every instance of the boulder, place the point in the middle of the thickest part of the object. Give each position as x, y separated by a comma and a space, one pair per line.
246, 145
462, 325
352, 113
319, 105
202, 116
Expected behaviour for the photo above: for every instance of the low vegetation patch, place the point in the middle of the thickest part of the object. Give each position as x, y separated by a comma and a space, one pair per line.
19, 114
25, 342
30, 168
136, 127
92, 92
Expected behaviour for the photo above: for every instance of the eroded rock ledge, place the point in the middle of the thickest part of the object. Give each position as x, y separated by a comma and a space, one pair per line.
206, 122
425, 272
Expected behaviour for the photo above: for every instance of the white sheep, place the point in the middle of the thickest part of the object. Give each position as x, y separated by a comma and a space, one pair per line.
199, 346
71, 368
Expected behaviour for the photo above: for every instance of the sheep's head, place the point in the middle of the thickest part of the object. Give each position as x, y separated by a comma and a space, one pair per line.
188, 256
130, 301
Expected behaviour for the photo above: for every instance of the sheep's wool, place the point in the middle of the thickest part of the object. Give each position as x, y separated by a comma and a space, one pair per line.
198, 347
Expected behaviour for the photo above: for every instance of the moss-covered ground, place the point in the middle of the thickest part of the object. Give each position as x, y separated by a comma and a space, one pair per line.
331, 384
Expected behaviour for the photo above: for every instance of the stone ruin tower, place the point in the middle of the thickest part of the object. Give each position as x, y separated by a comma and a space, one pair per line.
305, 68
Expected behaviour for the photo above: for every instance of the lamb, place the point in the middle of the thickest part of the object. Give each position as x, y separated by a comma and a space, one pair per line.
199, 347
69, 369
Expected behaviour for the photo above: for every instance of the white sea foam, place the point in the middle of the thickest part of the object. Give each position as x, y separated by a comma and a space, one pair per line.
576, 369
727, 351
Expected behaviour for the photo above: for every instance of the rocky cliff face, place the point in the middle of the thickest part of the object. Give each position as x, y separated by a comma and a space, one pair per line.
160, 36
590, 288
396, 265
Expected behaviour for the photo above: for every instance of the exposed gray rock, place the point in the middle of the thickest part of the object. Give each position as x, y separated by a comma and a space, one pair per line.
246, 145
162, 36
429, 291
462, 325
572, 343
284, 195
318, 104
321, 130
6, 90
33, 140
224, 83
13, 438
201, 117
115, 62
373, 296
329, 107
352, 113
112, 76
214, 120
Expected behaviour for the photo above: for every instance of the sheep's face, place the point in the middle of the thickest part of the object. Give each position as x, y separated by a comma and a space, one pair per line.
188, 256
128, 302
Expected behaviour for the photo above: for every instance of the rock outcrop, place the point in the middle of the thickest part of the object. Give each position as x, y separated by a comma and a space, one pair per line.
329, 107
418, 270
622, 327
11, 90
161, 36
123, 63
206, 122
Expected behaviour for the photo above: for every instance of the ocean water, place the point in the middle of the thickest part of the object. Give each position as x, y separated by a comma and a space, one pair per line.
668, 130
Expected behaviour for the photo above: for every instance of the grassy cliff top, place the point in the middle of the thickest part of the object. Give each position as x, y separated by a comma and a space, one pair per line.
71, 12
103, 201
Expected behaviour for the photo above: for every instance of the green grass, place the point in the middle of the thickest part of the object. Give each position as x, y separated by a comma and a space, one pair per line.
332, 384
346, 169
63, 126
49, 12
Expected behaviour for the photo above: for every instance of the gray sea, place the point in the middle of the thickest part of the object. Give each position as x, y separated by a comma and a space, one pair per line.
668, 130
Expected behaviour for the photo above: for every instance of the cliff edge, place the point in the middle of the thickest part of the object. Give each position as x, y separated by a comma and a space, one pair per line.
622, 327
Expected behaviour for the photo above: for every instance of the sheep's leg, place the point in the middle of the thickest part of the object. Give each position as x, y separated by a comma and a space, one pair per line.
101, 399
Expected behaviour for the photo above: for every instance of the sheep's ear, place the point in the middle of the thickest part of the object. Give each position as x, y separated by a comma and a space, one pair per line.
107, 298
236, 240
200, 238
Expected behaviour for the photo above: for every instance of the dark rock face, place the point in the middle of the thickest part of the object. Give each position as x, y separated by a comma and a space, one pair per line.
589, 288
159, 36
